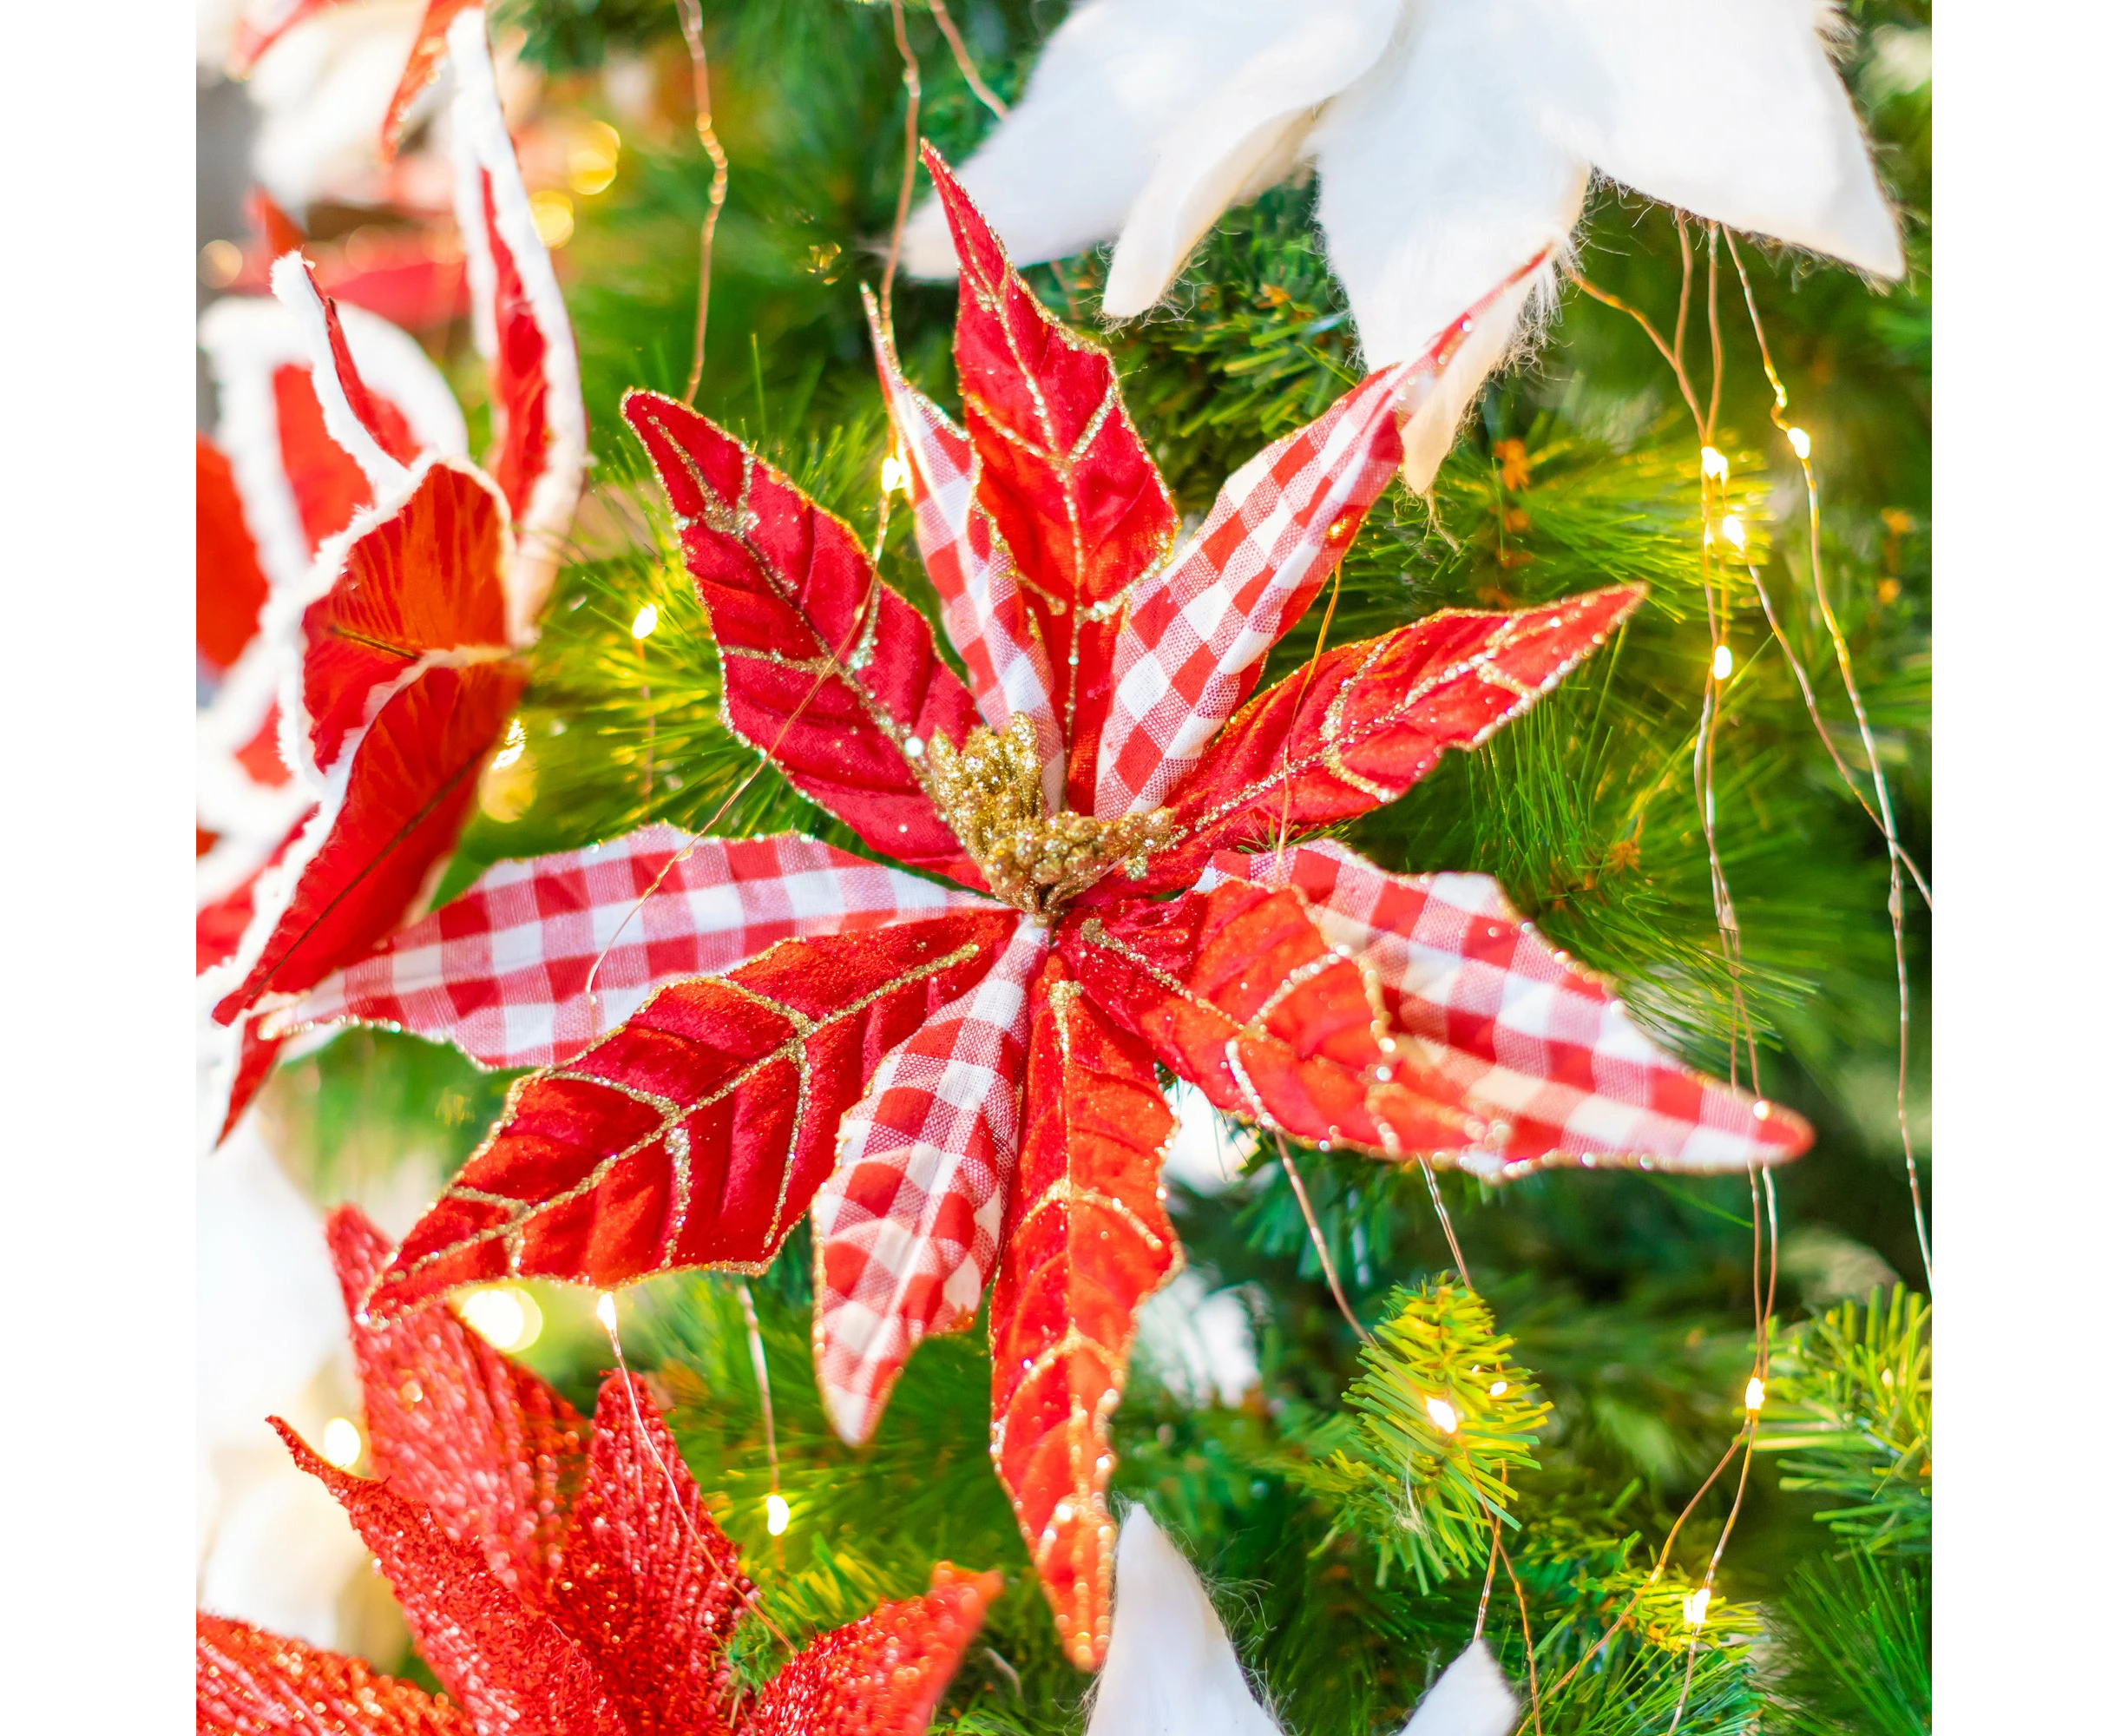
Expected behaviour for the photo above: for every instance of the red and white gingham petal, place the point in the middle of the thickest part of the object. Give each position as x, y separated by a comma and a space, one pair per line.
501, 970
905, 1232
1194, 642
1528, 1037
986, 611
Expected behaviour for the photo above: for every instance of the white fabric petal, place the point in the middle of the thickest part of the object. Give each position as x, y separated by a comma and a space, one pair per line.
1440, 177
1170, 1670
1061, 171
1471, 1699
1239, 139
1732, 111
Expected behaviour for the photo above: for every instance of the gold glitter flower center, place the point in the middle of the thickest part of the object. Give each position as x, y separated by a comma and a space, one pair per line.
990, 791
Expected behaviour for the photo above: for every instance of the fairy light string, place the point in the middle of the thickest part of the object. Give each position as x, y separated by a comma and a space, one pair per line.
1721, 539
962, 58
779, 1512
609, 1312
705, 130
1886, 817
912, 81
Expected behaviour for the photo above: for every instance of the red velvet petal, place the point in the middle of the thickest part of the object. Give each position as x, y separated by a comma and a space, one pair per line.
493, 1452
423, 61
826, 668
697, 1134
328, 485
1370, 720
280, 232
517, 373
1087, 1240
1237, 993
411, 782
1537, 1049
427, 579
508, 1664
255, 1056
1065, 476
650, 1588
260, 757
379, 417
263, 22
884, 1676
218, 927
252, 1683
231, 586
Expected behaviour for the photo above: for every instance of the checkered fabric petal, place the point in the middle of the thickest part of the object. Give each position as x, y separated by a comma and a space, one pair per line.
501, 970
1194, 641
986, 612
905, 1233
1531, 1041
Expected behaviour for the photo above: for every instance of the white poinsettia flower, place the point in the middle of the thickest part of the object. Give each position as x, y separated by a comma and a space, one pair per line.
1453, 141
273, 1341
1171, 1670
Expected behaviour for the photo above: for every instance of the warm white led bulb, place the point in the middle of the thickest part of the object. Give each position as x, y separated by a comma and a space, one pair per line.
610, 1316
1754, 1395
646, 621
1713, 464
508, 1317
1732, 532
778, 1512
1724, 663
893, 475
1800, 441
341, 1444
1443, 1414
1497, 1388
1696, 1607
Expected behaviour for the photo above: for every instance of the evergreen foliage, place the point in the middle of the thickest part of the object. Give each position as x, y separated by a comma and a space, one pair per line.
1347, 1541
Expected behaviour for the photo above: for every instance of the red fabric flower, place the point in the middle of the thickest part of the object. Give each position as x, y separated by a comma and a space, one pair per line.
401, 580
974, 1094
561, 1578
261, 24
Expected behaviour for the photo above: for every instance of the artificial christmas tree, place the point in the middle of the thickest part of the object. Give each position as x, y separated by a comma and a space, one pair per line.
1584, 1418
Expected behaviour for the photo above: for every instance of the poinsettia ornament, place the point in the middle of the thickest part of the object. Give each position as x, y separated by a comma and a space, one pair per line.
272, 486
1171, 1670
261, 24
561, 1578
1451, 140
969, 1088
394, 650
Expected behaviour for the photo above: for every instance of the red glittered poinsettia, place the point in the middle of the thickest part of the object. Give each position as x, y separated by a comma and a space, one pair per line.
561, 1578
961, 1082
403, 578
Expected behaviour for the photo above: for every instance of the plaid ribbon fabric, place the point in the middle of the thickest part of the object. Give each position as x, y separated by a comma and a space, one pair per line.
986, 612
1515, 1027
501, 970
1195, 638
905, 1233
